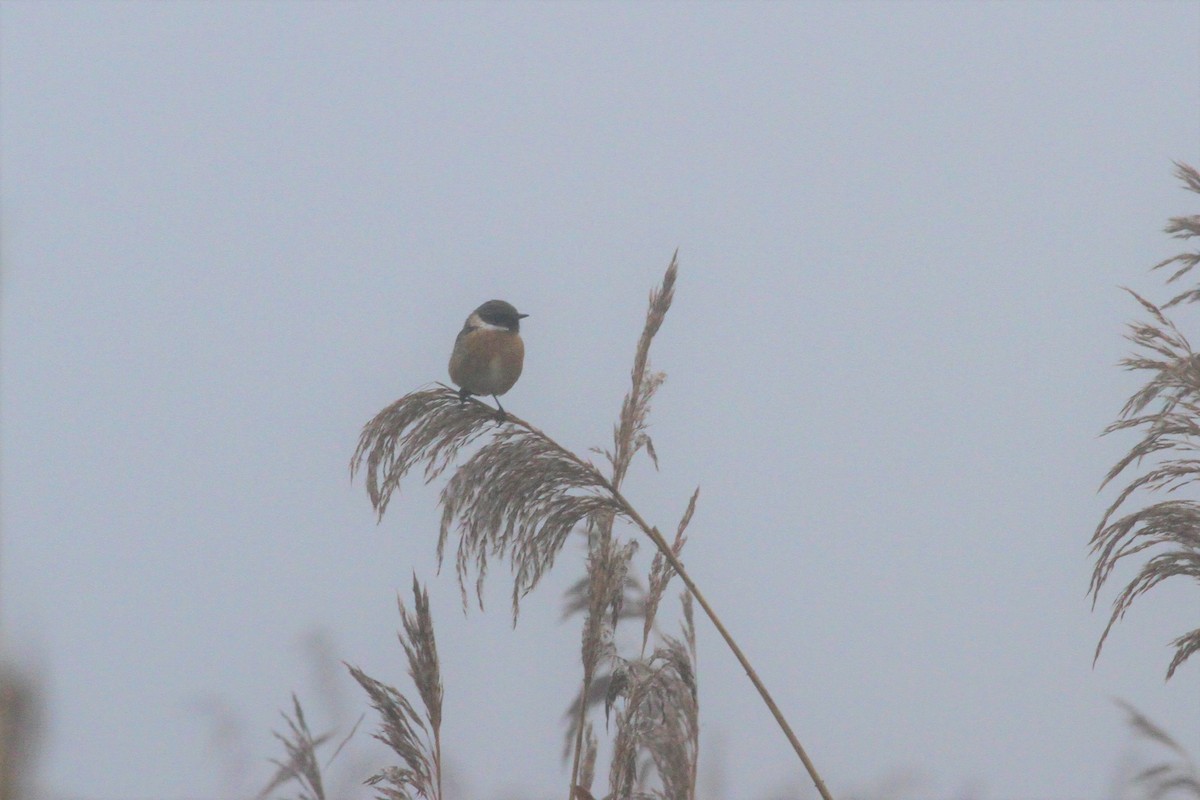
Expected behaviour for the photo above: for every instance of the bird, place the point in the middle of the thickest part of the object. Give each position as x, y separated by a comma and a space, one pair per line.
488, 353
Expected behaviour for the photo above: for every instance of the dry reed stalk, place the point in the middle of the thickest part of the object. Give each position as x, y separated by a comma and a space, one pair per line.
1167, 412
607, 578
416, 740
1169, 778
630, 435
602, 597
301, 764
521, 493
660, 575
660, 716
587, 767
751, 673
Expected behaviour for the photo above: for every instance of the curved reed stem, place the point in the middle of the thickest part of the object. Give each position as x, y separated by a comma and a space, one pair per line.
664, 547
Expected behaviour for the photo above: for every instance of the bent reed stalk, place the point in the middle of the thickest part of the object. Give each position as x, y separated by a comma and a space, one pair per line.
630, 513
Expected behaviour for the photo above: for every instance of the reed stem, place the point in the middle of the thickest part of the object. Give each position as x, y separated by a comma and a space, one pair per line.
665, 548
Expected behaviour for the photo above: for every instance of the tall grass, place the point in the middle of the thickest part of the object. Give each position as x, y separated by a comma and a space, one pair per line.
1165, 534
519, 495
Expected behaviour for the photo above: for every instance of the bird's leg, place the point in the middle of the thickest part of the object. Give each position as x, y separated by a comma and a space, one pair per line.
502, 414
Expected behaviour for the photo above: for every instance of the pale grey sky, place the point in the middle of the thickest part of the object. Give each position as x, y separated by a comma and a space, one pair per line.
232, 232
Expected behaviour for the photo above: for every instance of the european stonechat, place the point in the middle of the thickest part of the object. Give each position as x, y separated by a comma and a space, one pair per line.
488, 353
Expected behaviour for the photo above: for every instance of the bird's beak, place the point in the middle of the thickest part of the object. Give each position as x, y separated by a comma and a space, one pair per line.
522, 316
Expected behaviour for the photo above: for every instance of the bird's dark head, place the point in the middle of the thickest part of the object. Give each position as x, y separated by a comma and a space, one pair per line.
500, 314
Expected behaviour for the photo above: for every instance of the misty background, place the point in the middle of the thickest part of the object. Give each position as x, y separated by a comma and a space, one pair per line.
232, 232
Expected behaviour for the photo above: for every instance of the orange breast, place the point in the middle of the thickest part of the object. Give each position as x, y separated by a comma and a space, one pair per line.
487, 361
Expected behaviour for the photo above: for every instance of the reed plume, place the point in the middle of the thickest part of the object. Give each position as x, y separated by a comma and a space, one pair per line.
660, 572
1166, 410
301, 764
416, 739
1184, 228
517, 498
659, 718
